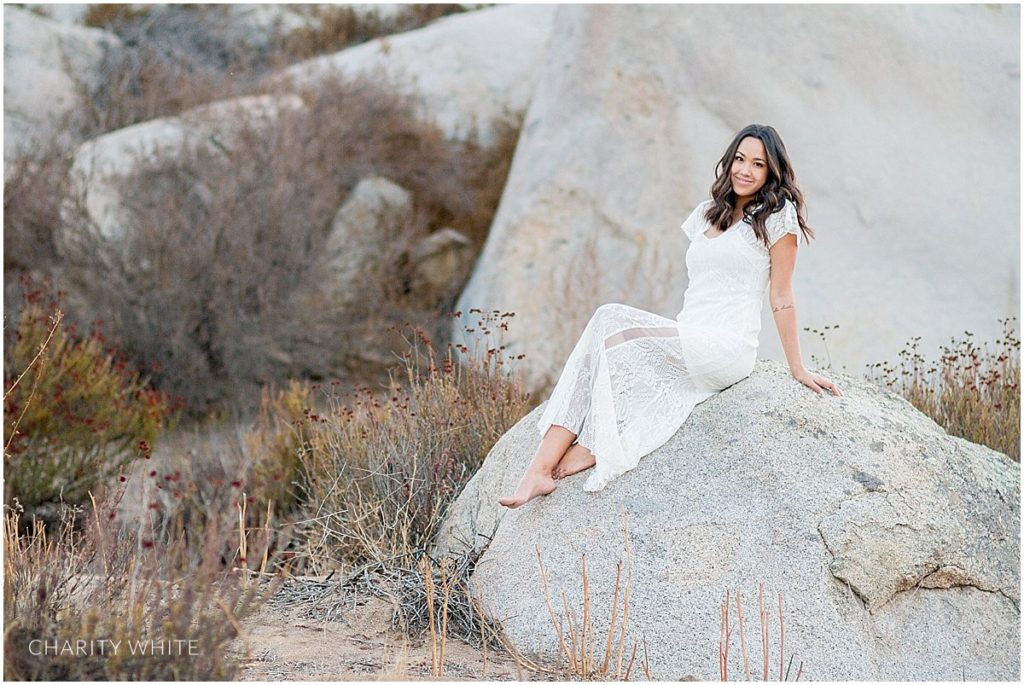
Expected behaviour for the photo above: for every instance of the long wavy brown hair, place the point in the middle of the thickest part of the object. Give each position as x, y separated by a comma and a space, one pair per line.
780, 184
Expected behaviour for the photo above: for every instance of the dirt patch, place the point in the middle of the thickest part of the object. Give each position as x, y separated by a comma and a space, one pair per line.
359, 643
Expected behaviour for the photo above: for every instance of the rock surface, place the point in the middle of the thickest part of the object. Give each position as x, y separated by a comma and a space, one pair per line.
359, 244
469, 70
636, 103
441, 263
102, 165
44, 63
894, 546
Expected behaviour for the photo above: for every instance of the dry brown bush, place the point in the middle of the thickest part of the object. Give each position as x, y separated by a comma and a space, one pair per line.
32, 195
336, 27
221, 279
181, 56
382, 471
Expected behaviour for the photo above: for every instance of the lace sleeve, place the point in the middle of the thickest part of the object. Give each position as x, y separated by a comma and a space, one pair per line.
782, 222
695, 222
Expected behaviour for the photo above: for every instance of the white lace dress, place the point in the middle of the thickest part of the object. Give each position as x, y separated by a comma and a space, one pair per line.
634, 376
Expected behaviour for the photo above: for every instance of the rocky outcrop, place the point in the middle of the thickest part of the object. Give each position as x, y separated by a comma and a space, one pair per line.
894, 546
636, 103
102, 166
363, 236
469, 70
47, 65
441, 263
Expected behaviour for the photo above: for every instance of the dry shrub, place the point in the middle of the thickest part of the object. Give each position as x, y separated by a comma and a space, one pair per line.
74, 412
182, 56
249, 470
382, 474
275, 444
221, 279
175, 57
109, 15
972, 392
32, 194
335, 27
106, 584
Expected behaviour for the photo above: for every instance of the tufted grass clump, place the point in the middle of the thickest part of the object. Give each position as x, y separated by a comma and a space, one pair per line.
251, 468
100, 604
382, 470
74, 413
971, 391
275, 442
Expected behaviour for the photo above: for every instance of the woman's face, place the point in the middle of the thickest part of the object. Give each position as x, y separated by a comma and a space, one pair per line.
749, 169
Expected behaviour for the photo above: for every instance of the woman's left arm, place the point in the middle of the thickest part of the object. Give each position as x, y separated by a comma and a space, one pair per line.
783, 303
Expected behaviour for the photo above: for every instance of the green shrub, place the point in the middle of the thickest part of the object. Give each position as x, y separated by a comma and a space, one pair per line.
74, 414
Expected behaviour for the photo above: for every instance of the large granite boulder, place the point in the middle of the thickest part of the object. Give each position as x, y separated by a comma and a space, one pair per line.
48, 67
895, 546
913, 189
102, 167
469, 71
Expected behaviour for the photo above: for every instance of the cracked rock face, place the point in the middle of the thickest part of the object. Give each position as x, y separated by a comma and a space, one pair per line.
894, 546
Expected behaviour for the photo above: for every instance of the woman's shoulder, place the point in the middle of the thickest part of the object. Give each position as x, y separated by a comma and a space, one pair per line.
785, 206
785, 213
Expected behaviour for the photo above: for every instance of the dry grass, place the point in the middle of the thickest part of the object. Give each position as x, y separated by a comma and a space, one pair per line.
379, 476
578, 652
382, 473
77, 591
31, 213
125, 599
249, 469
726, 636
970, 391
177, 58
183, 56
336, 27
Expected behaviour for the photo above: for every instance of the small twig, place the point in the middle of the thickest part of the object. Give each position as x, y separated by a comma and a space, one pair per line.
743, 640
35, 383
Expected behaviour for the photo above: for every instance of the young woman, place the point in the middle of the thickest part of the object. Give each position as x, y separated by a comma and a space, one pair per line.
634, 376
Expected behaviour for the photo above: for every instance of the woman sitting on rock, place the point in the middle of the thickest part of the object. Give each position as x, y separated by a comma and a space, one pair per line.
633, 376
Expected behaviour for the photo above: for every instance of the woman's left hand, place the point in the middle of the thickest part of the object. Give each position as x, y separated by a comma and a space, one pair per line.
817, 383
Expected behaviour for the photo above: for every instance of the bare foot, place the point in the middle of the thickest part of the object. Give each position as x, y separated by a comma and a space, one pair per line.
532, 485
577, 458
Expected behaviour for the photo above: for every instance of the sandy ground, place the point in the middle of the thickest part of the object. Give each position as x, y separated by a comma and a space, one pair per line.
352, 640
358, 643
